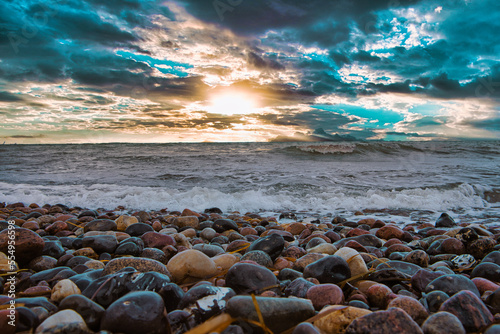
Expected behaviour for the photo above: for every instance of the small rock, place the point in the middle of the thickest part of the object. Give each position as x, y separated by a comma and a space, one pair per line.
259, 257
88, 309
394, 320
303, 328
325, 294
412, 307
279, 314
488, 270
141, 264
354, 260
298, 288
191, 263
439, 321
139, 229
63, 289
452, 284
338, 318
445, 221
247, 278
469, 309
331, 269
100, 225
29, 244
272, 244
136, 312
123, 222
67, 321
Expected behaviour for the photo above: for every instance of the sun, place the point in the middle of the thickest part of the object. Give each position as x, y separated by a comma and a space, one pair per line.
231, 103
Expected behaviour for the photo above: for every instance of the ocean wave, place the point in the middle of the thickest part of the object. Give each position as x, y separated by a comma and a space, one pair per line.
356, 148
110, 196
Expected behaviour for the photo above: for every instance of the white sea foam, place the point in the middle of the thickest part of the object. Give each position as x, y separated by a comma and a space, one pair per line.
199, 198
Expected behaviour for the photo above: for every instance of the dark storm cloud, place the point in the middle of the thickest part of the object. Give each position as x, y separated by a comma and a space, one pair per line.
257, 16
486, 124
8, 97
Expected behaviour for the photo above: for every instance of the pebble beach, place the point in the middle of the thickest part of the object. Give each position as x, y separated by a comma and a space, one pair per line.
84, 270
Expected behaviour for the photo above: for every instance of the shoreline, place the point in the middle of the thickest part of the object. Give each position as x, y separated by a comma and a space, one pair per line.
191, 269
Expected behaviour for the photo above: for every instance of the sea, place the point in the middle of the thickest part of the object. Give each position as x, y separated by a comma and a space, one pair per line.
403, 182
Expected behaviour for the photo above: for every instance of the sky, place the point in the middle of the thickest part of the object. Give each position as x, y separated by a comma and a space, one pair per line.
74, 71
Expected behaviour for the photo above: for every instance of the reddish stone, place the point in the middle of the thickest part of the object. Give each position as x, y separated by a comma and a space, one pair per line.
28, 244
5, 328
238, 245
188, 212
469, 309
325, 294
63, 218
355, 232
388, 232
31, 225
397, 248
452, 246
481, 247
294, 252
412, 307
367, 221
435, 232
248, 231
296, 228
483, 285
394, 320
356, 245
286, 235
306, 240
157, 240
378, 295
56, 227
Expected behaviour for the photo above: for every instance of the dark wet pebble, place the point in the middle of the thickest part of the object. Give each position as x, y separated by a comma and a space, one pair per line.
305, 328
90, 311
358, 304
84, 280
53, 248
41, 263
436, 323
272, 244
45, 275
128, 248
221, 225
330, 269
109, 288
172, 295
298, 288
247, 278
209, 250
481, 247
488, 270
404, 267
469, 309
101, 243
279, 314
138, 229
445, 221
289, 274
452, 284
136, 312
495, 329
493, 301
26, 319
259, 257
37, 301
100, 225
435, 299
492, 257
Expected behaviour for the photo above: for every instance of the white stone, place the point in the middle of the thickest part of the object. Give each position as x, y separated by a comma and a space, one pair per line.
353, 259
67, 321
63, 289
